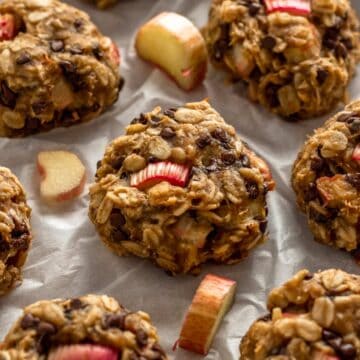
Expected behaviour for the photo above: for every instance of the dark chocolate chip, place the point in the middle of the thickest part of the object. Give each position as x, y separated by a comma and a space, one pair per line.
244, 161
341, 51
39, 107
354, 180
308, 276
321, 76
167, 133
329, 43
220, 134
347, 351
141, 337
117, 161
152, 159
254, 9
170, 113
45, 328
114, 321
203, 140
220, 47
121, 83
78, 23
7, 96
57, 45
317, 164
142, 119
29, 321
117, 219
67, 67
263, 225
228, 158
76, 304
335, 343
155, 120
23, 58
252, 189
99, 54
119, 235
268, 42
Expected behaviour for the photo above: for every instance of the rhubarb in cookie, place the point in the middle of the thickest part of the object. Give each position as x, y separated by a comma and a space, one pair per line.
15, 230
91, 327
296, 56
181, 188
326, 180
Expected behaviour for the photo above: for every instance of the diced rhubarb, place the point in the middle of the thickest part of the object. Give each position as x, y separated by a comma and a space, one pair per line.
115, 53
175, 174
83, 352
356, 154
7, 27
294, 7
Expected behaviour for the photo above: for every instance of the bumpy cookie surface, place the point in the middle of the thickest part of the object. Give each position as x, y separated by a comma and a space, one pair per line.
15, 232
296, 66
56, 69
311, 317
65, 329
217, 213
326, 180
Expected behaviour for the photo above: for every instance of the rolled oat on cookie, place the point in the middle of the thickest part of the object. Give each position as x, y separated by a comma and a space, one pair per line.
181, 188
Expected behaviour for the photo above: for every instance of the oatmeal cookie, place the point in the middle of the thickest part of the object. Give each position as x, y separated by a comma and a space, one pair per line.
15, 232
89, 327
310, 317
181, 188
296, 66
326, 180
56, 68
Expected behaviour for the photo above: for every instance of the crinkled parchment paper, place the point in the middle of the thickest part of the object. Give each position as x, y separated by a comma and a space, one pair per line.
67, 258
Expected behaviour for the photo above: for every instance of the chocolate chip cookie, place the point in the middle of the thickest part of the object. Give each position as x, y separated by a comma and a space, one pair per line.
297, 57
181, 188
89, 327
15, 232
56, 68
326, 180
310, 317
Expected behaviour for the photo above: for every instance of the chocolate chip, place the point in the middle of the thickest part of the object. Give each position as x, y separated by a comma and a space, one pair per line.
118, 235
78, 23
67, 67
155, 120
220, 47
347, 351
99, 54
271, 93
170, 113
254, 9
23, 58
317, 164
228, 158
335, 343
121, 83
348, 43
211, 166
317, 216
39, 107
355, 126
268, 42
114, 321
142, 119
116, 161
341, 51
7, 96
252, 189
45, 328
76, 304
21, 243
308, 276
152, 159
329, 43
265, 318
263, 225
117, 219
203, 140
354, 180
141, 337
321, 76
244, 161
167, 133
57, 45
220, 134
311, 192
29, 321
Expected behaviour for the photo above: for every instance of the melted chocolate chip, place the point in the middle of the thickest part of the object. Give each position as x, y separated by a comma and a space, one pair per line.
254, 9
220, 134
117, 161
170, 113
203, 140
76, 304
228, 158
119, 235
317, 164
263, 225
321, 76
252, 190
114, 321
141, 337
7, 96
354, 180
167, 133
117, 219
29, 321
70, 71
268, 42
57, 45
45, 328
23, 58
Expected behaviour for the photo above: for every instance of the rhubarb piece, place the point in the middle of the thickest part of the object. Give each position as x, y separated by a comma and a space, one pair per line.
326, 180
211, 302
115, 53
83, 352
294, 7
63, 175
320, 332
175, 174
7, 27
91, 327
15, 230
181, 188
171, 42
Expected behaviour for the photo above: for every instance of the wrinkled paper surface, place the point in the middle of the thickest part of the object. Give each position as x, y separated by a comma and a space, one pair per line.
67, 258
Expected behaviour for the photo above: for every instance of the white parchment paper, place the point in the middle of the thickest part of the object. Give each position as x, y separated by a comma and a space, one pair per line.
67, 258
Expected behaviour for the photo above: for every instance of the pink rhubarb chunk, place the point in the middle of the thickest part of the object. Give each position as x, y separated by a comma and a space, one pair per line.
83, 352
356, 154
294, 7
7, 27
